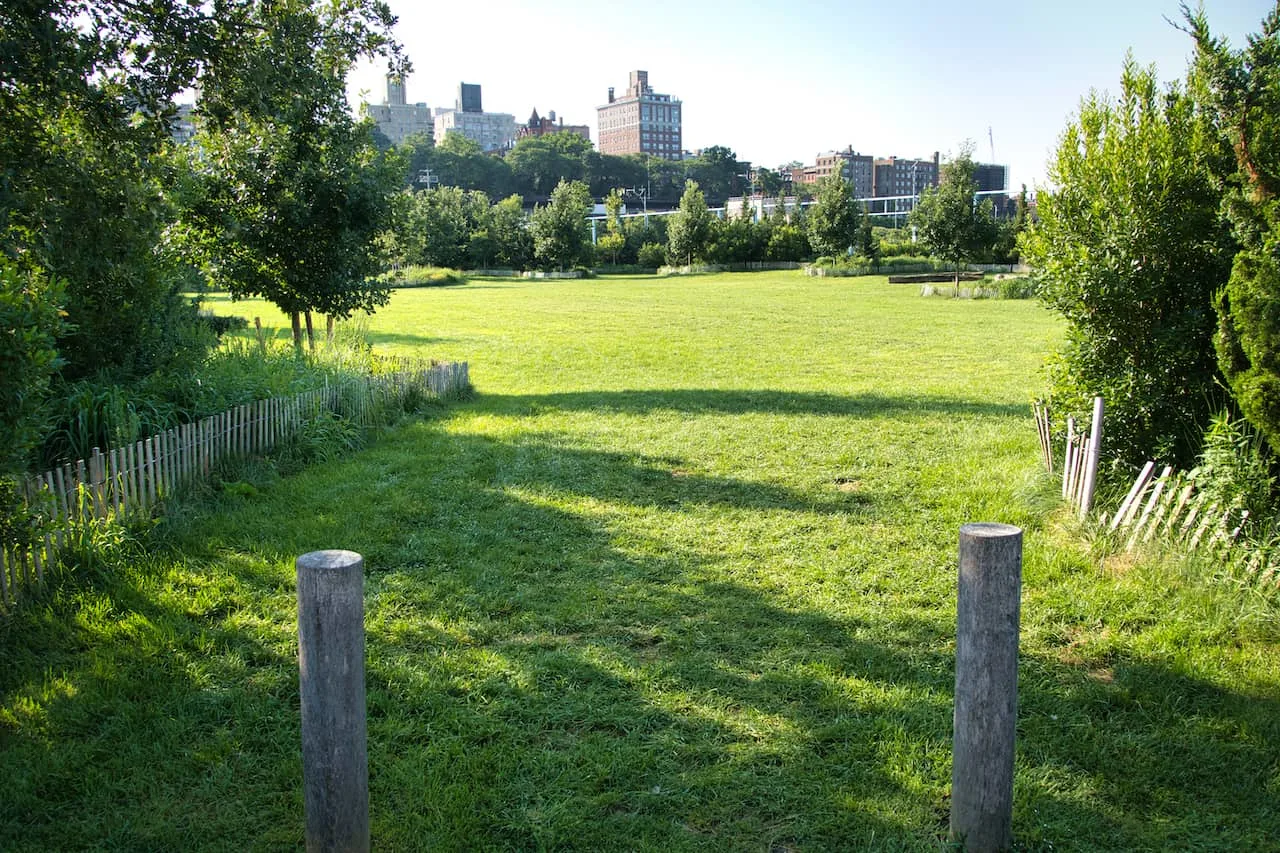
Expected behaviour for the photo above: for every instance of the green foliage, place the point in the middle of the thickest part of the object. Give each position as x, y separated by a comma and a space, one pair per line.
31, 318
1130, 251
652, 255
421, 276
435, 227
86, 187
788, 242
834, 221
1242, 91
689, 228
1018, 287
866, 244
950, 219
99, 413
1234, 470
611, 244
291, 190
509, 228
539, 163
736, 240
561, 235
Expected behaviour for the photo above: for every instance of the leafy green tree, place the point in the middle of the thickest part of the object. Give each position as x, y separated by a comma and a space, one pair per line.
613, 241
440, 222
509, 228
833, 220
689, 228
1242, 90
788, 243
459, 162
609, 171
717, 171
951, 221
866, 244
85, 181
295, 191
768, 182
31, 315
1130, 250
539, 163
418, 150
561, 236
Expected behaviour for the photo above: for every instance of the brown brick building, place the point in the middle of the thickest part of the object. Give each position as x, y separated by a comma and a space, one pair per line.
641, 122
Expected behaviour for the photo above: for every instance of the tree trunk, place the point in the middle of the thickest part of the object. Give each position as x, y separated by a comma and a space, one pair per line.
295, 320
328, 330
311, 333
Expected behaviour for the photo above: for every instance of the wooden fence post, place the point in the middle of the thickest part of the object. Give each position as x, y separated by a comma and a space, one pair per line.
987, 614
1091, 463
335, 765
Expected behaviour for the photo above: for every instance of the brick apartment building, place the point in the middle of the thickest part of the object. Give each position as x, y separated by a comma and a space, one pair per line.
641, 122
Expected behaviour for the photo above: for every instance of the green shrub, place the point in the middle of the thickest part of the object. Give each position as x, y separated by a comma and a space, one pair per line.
422, 276
30, 322
1130, 250
1019, 287
652, 255
1234, 470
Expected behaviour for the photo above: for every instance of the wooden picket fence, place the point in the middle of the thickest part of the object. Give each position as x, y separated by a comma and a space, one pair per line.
1082, 450
1168, 508
135, 478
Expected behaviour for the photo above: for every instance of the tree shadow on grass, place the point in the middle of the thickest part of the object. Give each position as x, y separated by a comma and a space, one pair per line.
132, 706
743, 401
538, 680
408, 339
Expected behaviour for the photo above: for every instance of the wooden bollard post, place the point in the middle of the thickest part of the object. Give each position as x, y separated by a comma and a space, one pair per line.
987, 614
335, 763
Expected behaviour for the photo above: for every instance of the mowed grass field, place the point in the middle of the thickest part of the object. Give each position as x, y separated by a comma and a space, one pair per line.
681, 576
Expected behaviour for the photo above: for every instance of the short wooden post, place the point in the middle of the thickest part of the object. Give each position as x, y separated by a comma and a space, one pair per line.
335, 765
987, 614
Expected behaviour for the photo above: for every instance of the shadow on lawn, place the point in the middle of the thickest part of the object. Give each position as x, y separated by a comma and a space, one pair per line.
407, 339
538, 679
130, 714
735, 402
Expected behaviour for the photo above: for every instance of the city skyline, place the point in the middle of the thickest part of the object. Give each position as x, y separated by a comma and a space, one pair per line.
782, 82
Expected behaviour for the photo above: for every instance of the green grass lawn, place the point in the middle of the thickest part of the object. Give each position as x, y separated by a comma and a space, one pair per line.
680, 577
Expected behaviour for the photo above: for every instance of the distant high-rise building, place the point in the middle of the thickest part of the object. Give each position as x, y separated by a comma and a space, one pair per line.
469, 98
183, 126
493, 131
395, 118
641, 122
539, 126
990, 177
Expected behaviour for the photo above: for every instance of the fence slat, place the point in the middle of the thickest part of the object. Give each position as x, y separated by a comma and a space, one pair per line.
139, 474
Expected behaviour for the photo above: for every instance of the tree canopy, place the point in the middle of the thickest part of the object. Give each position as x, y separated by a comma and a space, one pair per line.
1130, 250
1242, 89
833, 220
951, 221
689, 228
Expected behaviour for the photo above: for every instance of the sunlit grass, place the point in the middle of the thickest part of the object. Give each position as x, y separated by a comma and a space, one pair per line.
680, 577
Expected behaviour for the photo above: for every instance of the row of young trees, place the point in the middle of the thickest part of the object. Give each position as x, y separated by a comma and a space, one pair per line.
105, 223
1160, 248
452, 227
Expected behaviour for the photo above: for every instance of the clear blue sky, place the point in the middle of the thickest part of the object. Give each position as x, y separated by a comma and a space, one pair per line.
781, 81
